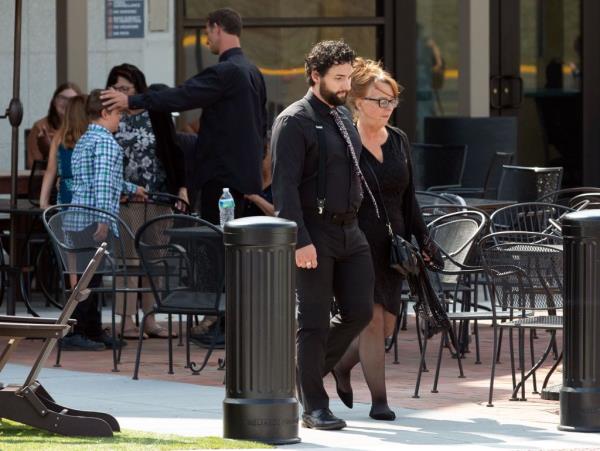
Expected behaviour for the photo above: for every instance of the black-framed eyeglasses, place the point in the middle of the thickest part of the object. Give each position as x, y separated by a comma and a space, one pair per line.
383, 102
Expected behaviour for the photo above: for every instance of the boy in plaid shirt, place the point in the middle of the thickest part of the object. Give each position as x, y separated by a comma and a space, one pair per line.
97, 165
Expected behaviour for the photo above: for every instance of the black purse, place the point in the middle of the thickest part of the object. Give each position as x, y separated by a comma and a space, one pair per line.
402, 255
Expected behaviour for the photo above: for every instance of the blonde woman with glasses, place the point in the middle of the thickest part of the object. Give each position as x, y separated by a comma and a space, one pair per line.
385, 163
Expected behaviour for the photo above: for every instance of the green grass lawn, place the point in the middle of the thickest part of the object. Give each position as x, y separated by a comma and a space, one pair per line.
19, 437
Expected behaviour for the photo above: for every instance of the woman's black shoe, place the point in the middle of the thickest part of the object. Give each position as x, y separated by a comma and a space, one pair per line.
382, 413
346, 397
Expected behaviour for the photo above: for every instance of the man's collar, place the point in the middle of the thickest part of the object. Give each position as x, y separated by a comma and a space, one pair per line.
317, 103
229, 53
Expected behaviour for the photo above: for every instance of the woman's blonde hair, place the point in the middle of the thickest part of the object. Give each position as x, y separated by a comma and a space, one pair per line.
75, 122
366, 72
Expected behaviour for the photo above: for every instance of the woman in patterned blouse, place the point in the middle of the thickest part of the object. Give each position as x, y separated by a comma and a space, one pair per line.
152, 159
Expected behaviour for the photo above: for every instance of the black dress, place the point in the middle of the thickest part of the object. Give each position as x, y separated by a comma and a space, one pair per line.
392, 182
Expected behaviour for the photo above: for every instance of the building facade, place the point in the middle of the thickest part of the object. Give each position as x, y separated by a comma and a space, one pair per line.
532, 59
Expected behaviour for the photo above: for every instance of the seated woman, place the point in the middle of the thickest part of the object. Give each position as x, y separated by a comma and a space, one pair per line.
43, 130
153, 159
74, 124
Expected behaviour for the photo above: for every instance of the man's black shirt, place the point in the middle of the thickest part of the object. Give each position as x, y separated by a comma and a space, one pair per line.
295, 163
230, 143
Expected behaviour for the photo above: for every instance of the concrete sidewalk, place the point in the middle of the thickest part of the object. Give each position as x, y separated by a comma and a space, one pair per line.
189, 409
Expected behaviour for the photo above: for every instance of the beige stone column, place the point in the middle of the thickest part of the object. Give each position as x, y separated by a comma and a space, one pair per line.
474, 58
72, 42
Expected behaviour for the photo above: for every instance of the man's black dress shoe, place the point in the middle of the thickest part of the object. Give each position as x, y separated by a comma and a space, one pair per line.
322, 419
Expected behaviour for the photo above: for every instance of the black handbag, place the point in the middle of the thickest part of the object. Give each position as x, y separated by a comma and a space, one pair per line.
403, 256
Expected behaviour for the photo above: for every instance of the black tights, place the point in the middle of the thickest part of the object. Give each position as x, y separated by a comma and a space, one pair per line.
369, 349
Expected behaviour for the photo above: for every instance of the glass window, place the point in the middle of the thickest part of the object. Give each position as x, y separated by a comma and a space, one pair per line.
198, 9
550, 45
550, 116
437, 60
283, 65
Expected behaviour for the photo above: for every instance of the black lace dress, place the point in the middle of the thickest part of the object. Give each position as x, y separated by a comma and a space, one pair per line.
391, 181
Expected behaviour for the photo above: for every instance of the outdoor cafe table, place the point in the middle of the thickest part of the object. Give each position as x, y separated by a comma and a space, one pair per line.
193, 233
24, 207
25, 214
488, 205
22, 182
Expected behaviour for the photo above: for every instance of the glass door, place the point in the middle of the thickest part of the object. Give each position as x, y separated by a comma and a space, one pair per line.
536, 76
437, 52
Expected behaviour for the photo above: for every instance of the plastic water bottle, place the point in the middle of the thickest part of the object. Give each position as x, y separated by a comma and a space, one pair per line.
226, 207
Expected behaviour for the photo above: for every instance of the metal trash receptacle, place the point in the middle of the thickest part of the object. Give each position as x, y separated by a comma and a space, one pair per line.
580, 393
260, 402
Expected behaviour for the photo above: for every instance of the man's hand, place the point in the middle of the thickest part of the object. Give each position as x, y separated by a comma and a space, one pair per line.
113, 99
101, 233
306, 257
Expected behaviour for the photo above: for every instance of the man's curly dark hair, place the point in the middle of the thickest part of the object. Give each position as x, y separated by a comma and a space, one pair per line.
326, 54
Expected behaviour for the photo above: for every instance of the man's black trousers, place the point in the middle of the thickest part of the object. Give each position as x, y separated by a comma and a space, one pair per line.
344, 271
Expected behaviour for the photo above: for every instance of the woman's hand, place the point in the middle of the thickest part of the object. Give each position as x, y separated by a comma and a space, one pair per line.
432, 256
140, 193
182, 194
251, 197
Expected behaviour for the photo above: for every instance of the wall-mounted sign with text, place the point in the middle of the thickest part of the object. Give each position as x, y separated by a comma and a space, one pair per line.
124, 19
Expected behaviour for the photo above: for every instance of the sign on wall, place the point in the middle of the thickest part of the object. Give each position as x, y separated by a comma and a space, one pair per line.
124, 19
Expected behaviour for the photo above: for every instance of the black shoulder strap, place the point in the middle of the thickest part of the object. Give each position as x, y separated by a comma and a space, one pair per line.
322, 149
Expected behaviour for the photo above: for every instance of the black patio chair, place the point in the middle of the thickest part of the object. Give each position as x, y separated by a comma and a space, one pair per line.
525, 270
585, 201
34, 184
71, 228
526, 184
564, 196
435, 165
427, 198
36, 241
528, 217
456, 234
184, 259
489, 190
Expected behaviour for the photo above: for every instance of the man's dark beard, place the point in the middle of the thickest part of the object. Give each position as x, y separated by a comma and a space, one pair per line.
331, 97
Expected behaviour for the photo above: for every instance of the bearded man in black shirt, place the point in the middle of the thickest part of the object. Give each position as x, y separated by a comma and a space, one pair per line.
332, 255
